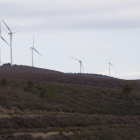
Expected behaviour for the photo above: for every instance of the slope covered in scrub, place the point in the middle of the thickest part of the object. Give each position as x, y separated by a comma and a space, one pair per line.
34, 104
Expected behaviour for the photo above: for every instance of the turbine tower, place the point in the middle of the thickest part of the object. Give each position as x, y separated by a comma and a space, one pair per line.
11, 35
33, 49
0, 42
80, 61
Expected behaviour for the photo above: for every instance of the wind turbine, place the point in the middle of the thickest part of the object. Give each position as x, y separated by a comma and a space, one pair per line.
109, 67
11, 34
33, 49
80, 61
0, 42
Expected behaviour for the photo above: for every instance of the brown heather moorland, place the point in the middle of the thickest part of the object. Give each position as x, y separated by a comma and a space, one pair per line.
39, 104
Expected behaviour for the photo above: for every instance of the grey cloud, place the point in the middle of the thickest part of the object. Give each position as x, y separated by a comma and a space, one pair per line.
48, 15
46, 8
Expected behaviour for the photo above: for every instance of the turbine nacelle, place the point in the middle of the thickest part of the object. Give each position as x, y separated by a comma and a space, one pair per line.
11, 33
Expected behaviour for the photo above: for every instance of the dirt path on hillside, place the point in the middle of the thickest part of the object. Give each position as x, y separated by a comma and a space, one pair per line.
33, 114
44, 135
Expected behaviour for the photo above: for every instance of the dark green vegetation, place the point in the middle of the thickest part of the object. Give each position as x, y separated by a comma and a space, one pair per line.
127, 91
3, 81
37, 106
50, 93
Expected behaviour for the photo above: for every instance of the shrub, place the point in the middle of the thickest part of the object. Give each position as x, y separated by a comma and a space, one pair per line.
26, 88
4, 81
39, 86
127, 91
30, 83
29, 86
50, 93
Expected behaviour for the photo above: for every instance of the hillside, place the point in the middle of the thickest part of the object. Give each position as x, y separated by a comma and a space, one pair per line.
21, 68
92, 75
29, 69
68, 107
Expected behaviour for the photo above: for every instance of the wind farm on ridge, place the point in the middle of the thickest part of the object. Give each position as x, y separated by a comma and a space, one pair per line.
33, 49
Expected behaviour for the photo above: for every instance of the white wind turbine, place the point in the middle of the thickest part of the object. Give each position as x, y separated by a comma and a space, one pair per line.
33, 49
109, 66
11, 34
0, 42
80, 61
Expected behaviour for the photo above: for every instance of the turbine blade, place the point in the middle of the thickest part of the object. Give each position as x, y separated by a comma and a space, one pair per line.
37, 52
16, 32
110, 58
82, 66
104, 64
0, 27
6, 25
28, 50
85, 57
4, 40
33, 40
112, 65
74, 58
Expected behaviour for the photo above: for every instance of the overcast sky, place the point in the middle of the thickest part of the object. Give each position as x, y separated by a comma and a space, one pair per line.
106, 30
